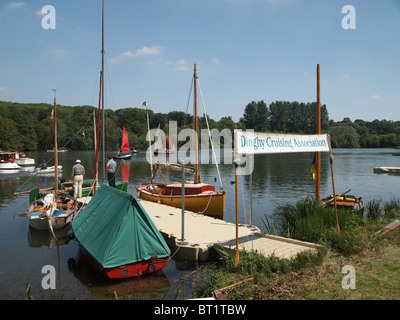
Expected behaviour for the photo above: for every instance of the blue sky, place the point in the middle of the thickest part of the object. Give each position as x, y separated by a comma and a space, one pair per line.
245, 50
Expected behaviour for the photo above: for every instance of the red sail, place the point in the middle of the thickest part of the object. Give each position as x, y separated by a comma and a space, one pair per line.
168, 142
125, 141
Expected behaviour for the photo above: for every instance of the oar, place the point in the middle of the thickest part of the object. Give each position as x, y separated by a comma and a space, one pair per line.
45, 189
333, 198
20, 215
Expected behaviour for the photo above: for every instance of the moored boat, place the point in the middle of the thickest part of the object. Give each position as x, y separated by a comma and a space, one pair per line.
49, 170
54, 210
8, 163
198, 197
176, 167
26, 163
344, 202
111, 218
124, 153
389, 170
59, 150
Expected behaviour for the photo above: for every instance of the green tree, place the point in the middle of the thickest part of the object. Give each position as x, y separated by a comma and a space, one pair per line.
256, 116
344, 137
9, 135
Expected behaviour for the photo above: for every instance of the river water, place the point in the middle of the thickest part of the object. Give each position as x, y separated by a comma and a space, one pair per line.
277, 179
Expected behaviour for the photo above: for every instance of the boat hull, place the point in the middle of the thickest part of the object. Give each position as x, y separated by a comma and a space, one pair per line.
208, 202
42, 223
25, 162
389, 170
123, 157
48, 170
345, 202
41, 217
9, 168
131, 270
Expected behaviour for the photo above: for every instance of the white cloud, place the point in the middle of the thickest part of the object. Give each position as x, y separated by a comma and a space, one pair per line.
215, 60
145, 51
5, 90
13, 5
59, 53
375, 96
178, 65
346, 77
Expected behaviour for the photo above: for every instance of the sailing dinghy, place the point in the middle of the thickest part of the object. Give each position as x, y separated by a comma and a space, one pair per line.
118, 237
124, 153
198, 197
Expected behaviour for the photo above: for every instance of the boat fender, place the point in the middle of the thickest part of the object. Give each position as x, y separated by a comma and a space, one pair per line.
124, 272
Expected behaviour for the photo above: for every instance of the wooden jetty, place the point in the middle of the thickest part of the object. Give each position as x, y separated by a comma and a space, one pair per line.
268, 245
202, 233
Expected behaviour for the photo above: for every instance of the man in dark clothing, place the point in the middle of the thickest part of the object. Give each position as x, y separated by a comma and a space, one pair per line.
111, 168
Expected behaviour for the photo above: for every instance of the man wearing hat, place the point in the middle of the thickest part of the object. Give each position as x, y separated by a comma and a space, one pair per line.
78, 172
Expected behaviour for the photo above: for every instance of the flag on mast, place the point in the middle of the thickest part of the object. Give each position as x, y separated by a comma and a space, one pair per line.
314, 167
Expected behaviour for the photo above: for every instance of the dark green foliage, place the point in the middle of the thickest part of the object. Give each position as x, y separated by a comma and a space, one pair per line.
27, 127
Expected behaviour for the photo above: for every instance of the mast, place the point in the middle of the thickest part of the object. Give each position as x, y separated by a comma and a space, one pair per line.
318, 160
55, 145
148, 137
196, 165
102, 90
97, 135
236, 163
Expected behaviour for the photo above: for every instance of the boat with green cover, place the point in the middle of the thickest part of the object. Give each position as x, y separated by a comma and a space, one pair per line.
118, 236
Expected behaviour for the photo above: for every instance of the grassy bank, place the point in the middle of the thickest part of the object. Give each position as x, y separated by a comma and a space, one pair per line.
375, 257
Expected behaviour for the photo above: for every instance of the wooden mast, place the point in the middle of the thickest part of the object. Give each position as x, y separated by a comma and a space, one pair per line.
102, 90
196, 165
55, 146
236, 198
318, 158
97, 134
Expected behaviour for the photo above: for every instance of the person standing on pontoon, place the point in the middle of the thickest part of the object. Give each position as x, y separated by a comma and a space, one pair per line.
78, 172
111, 168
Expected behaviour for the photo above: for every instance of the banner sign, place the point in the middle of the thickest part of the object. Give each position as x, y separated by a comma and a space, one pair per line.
260, 142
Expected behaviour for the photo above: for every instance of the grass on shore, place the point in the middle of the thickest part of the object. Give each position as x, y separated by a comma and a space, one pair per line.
376, 258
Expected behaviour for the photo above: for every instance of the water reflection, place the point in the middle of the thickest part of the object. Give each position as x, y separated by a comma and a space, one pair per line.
44, 238
149, 287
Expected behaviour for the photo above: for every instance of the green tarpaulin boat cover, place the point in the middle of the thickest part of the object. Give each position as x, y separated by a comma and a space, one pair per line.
116, 230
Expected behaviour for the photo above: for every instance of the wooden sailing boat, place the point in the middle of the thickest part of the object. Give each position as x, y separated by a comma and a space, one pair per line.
124, 153
56, 209
101, 228
198, 197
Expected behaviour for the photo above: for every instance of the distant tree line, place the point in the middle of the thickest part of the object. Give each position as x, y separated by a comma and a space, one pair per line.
28, 127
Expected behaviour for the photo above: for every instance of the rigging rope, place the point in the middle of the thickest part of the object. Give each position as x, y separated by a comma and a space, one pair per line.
209, 135
188, 99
